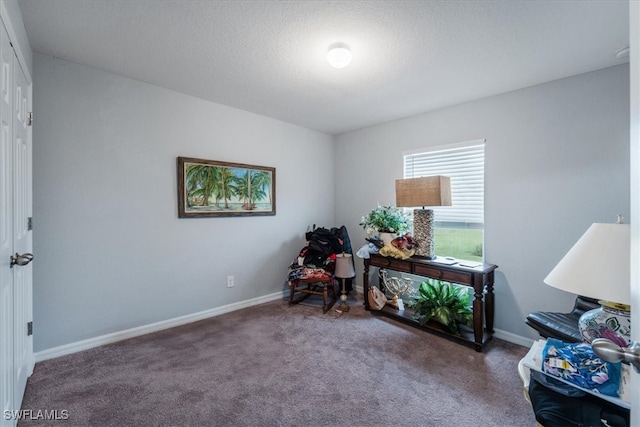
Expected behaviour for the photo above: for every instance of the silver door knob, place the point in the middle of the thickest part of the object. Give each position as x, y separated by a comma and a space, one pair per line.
612, 352
23, 259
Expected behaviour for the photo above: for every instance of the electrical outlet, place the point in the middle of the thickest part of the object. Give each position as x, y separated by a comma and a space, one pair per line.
230, 282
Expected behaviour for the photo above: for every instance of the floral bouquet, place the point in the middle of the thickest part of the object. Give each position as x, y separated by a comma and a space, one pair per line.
386, 219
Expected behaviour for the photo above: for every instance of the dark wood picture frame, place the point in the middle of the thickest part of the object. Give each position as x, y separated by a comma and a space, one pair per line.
211, 188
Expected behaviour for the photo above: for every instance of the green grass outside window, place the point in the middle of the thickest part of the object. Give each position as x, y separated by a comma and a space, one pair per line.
459, 243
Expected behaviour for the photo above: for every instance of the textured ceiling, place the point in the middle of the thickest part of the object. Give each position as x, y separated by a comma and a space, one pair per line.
268, 57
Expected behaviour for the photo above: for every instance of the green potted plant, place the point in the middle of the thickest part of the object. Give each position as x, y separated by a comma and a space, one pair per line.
386, 219
446, 303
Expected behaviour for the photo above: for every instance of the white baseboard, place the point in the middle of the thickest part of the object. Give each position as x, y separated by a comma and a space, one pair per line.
513, 338
111, 338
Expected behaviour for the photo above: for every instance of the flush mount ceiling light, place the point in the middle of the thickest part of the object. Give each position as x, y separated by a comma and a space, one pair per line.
339, 55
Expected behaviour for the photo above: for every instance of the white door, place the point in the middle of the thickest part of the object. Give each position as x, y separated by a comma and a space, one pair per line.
6, 229
16, 344
22, 274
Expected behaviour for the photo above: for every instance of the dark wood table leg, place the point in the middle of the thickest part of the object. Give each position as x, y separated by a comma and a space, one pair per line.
477, 319
489, 306
365, 284
478, 311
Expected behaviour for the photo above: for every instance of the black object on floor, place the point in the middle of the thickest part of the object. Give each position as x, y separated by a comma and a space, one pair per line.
555, 405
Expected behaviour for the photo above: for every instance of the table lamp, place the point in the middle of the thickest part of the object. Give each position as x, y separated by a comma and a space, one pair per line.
425, 191
344, 270
598, 266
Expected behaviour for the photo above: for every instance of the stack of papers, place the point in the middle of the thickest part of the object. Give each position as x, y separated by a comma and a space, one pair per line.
446, 260
469, 264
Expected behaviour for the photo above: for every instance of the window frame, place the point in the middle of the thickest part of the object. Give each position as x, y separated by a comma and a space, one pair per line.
474, 210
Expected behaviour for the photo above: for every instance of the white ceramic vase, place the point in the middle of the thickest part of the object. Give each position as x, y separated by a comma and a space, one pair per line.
387, 237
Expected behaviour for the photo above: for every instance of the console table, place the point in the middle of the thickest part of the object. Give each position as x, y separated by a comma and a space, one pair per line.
480, 278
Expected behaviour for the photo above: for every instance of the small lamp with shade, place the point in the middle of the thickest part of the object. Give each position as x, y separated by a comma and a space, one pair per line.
344, 270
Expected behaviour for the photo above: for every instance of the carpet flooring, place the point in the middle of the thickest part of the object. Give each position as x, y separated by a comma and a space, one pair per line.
280, 365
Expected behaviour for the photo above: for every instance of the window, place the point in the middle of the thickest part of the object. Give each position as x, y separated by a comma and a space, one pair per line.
458, 228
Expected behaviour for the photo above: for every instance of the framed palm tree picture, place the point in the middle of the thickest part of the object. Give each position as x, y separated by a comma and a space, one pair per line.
209, 188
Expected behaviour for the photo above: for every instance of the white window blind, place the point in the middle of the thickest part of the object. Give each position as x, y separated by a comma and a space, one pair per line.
464, 164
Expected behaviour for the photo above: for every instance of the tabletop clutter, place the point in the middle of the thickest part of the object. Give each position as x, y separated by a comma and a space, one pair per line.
401, 247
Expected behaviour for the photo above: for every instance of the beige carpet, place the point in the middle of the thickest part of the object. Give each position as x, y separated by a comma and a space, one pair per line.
275, 365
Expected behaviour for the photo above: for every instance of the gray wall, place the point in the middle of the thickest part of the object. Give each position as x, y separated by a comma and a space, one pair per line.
557, 160
112, 253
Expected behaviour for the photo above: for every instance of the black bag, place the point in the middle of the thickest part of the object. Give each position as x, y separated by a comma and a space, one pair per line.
322, 243
557, 404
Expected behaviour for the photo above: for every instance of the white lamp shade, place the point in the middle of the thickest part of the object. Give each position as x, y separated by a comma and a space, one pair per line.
598, 265
344, 266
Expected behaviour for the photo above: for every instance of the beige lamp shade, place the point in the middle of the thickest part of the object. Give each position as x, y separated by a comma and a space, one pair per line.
424, 191
344, 266
598, 265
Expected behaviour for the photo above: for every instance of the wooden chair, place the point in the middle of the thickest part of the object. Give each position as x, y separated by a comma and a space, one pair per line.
324, 286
